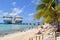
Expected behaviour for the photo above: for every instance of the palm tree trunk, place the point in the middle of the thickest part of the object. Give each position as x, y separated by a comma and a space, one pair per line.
56, 20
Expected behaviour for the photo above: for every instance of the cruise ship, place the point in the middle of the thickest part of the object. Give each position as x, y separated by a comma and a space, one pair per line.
7, 19
18, 19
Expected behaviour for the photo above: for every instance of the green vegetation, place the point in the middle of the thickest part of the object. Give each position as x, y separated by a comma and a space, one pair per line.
49, 10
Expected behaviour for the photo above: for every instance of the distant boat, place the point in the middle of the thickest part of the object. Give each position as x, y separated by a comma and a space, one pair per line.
7, 19
18, 20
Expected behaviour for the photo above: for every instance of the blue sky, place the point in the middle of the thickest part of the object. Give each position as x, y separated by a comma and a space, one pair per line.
24, 8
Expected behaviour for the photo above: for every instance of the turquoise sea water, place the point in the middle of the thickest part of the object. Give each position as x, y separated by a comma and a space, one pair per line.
11, 28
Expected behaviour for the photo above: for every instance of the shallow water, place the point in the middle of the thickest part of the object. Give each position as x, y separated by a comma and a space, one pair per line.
11, 28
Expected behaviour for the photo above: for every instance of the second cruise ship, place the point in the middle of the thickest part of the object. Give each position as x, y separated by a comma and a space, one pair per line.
18, 20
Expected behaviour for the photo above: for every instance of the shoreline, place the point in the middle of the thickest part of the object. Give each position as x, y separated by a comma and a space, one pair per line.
20, 35
3, 33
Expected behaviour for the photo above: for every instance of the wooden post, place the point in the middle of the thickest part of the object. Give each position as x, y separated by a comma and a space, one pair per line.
42, 36
39, 37
30, 38
55, 36
36, 37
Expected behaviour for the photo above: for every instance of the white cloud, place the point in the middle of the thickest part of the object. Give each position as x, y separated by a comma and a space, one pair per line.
13, 3
16, 11
5, 13
31, 14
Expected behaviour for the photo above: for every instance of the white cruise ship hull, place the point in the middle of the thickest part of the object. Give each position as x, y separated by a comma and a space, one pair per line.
7, 21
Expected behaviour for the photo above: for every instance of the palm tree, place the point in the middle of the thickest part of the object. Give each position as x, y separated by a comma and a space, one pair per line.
49, 10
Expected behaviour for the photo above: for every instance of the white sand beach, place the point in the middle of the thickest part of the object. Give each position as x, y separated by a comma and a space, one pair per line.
20, 35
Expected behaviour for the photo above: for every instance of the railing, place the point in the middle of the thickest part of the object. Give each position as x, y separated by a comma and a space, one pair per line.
44, 37
36, 37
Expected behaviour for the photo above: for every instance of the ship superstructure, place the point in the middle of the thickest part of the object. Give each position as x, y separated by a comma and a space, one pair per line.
7, 19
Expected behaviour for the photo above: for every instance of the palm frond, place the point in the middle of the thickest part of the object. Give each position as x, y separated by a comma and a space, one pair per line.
44, 12
58, 15
40, 6
48, 10
50, 3
57, 8
38, 15
58, 19
48, 19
